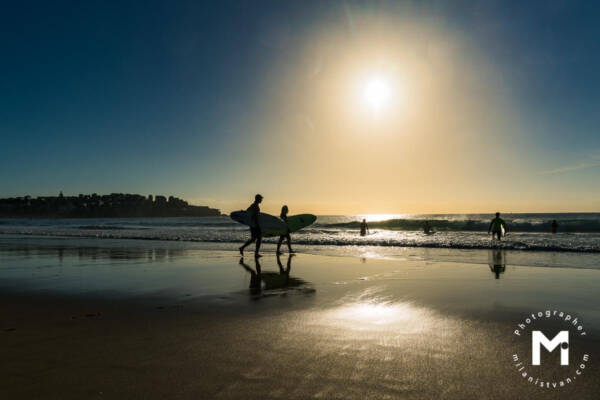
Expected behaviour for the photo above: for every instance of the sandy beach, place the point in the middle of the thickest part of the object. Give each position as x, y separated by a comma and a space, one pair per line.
195, 324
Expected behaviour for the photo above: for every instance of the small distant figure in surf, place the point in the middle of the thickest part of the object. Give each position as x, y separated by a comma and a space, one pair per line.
364, 228
554, 227
496, 227
255, 231
427, 228
283, 216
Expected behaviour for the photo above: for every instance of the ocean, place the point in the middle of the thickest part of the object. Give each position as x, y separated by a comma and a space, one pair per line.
459, 236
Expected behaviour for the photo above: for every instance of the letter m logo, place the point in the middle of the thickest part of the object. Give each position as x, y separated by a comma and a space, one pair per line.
538, 339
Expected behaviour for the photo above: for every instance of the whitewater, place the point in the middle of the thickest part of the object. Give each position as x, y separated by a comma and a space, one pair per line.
391, 236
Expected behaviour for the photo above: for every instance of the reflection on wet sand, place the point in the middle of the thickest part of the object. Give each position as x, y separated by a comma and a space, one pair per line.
151, 254
497, 261
260, 280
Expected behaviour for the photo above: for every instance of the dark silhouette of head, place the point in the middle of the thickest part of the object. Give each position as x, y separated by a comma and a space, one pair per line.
364, 220
258, 198
497, 214
284, 210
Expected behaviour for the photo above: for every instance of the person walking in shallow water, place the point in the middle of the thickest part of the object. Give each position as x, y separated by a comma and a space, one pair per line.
496, 227
364, 228
255, 231
283, 216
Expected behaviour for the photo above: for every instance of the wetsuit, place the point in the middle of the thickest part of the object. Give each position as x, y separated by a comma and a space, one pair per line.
254, 210
286, 236
497, 224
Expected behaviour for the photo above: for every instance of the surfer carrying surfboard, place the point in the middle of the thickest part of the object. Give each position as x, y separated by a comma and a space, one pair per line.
255, 231
497, 227
283, 216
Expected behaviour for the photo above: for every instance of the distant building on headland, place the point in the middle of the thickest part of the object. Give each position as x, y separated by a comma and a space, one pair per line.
114, 205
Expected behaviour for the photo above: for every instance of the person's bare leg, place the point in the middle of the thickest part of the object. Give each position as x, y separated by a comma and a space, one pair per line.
289, 243
248, 242
258, 242
279, 242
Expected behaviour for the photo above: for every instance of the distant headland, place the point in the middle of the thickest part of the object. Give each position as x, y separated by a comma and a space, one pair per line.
115, 205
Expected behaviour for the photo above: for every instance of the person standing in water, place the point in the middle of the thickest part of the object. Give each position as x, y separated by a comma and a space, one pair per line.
283, 216
255, 232
496, 227
554, 226
364, 228
427, 228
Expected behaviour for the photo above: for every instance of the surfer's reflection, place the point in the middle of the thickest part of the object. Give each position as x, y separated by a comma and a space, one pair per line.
255, 275
285, 272
271, 280
497, 261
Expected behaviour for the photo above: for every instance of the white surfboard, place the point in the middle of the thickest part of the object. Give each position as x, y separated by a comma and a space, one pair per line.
266, 221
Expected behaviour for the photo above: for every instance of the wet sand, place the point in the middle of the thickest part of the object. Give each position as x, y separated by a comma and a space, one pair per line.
122, 322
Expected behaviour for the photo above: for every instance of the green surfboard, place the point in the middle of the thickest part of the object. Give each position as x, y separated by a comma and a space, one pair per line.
295, 223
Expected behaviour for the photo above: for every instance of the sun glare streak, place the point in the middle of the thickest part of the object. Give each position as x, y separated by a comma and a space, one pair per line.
379, 217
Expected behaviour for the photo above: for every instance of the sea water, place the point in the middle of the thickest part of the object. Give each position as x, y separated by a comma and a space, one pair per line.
458, 237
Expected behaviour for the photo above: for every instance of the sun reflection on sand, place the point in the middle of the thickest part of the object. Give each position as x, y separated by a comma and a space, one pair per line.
373, 313
370, 311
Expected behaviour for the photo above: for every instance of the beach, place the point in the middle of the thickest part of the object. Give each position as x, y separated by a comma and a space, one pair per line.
428, 169
102, 318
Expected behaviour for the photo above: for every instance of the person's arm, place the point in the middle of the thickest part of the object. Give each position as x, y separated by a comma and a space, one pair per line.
368, 231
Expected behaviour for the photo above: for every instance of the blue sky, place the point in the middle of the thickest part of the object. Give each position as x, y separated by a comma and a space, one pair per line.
183, 98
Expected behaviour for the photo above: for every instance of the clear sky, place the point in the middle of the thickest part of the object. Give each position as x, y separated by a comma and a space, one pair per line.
331, 107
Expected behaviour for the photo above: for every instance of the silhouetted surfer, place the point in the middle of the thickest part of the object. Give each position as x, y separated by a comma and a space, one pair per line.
496, 227
554, 226
283, 216
364, 228
427, 228
255, 232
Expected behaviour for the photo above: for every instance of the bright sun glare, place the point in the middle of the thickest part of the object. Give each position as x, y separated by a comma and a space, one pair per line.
377, 93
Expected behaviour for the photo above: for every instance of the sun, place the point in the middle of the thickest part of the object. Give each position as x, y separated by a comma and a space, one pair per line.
377, 93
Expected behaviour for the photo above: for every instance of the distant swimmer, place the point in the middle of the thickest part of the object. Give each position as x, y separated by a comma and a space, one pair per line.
554, 226
497, 226
364, 228
255, 231
427, 228
283, 216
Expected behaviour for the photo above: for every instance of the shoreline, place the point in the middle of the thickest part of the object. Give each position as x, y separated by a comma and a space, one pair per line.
560, 259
